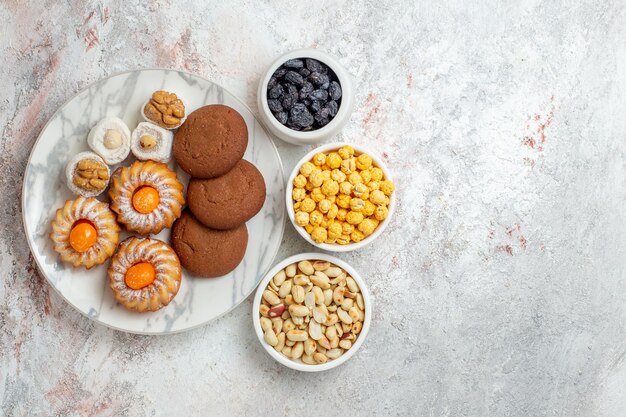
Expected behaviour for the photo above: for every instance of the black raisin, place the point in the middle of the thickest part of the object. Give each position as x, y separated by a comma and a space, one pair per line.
322, 121
274, 105
306, 88
300, 115
292, 90
333, 107
319, 95
280, 72
321, 80
281, 116
294, 63
304, 72
315, 106
306, 102
288, 101
322, 117
276, 91
294, 78
315, 78
314, 65
334, 90
271, 83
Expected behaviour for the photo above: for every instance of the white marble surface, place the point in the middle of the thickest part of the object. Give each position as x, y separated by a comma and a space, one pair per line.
499, 287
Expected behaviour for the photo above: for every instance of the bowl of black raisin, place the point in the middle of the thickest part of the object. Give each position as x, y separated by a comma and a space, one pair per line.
305, 97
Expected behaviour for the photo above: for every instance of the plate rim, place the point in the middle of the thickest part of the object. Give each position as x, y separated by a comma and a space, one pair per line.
27, 231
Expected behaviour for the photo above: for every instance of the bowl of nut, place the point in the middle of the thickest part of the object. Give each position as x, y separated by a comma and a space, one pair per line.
340, 197
305, 97
312, 312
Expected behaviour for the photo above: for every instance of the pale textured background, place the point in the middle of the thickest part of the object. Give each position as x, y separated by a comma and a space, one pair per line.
500, 286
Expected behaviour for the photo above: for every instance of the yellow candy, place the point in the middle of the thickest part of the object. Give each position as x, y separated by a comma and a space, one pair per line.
319, 159
381, 213
363, 161
354, 217
307, 168
377, 174
348, 166
302, 218
343, 201
356, 204
357, 236
330, 240
369, 208
345, 188
298, 194
299, 181
326, 174
330, 187
333, 160
324, 206
332, 212
377, 197
343, 239
307, 205
373, 185
359, 190
367, 226
334, 230
331, 198
337, 175
355, 178
319, 234
366, 176
316, 178
316, 218
387, 187
346, 228
309, 228
346, 152
341, 214
317, 195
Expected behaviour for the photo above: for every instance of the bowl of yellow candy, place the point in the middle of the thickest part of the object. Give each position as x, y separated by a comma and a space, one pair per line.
340, 197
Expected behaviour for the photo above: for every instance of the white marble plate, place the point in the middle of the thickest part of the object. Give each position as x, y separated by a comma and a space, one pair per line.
199, 300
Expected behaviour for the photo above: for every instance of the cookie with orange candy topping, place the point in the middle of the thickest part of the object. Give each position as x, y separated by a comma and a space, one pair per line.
84, 232
147, 196
144, 274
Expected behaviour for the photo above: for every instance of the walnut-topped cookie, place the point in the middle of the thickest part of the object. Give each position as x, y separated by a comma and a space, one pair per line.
164, 109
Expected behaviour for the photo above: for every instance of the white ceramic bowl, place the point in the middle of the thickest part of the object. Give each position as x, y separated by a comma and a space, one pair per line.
298, 364
335, 247
313, 136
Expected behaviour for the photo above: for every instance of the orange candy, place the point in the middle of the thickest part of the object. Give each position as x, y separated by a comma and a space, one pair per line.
140, 275
83, 235
145, 199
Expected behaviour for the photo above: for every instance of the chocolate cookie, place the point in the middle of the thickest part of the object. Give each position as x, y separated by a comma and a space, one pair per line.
211, 141
230, 200
207, 252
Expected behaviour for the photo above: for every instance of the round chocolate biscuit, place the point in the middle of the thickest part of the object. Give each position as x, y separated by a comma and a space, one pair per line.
207, 252
230, 200
211, 141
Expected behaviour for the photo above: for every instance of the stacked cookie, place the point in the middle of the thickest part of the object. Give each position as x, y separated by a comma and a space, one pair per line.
224, 192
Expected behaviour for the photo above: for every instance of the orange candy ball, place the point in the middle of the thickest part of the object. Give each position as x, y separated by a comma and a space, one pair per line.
83, 236
145, 199
140, 275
